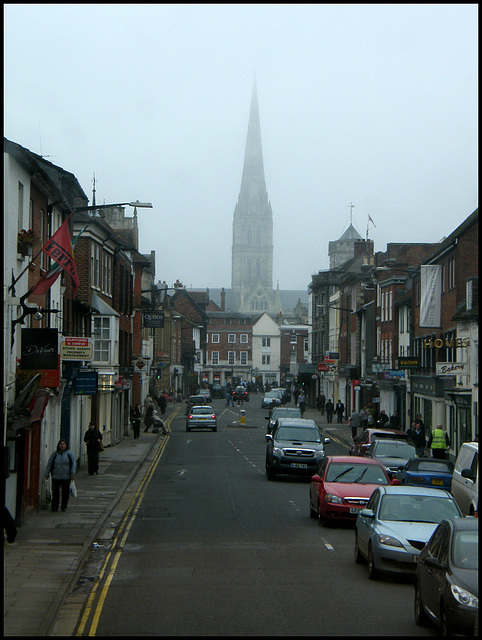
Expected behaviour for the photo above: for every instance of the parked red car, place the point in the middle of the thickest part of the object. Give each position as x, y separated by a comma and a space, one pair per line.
363, 441
342, 486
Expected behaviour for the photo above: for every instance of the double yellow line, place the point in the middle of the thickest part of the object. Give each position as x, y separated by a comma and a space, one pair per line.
95, 602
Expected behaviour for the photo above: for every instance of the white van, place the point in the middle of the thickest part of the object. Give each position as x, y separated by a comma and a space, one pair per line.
465, 480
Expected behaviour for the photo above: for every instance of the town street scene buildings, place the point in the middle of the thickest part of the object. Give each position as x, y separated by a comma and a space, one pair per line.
91, 328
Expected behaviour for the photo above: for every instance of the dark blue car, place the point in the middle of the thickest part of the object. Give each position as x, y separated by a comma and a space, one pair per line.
427, 472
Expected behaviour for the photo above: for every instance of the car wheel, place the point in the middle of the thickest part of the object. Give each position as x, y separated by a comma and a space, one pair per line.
188, 429
270, 473
322, 520
215, 428
359, 559
372, 572
445, 627
313, 513
421, 618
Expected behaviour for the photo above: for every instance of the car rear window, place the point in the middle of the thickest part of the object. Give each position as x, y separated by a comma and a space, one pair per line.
395, 449
444, 466
196, 411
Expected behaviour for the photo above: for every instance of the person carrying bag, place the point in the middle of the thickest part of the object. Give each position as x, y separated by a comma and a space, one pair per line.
61, 466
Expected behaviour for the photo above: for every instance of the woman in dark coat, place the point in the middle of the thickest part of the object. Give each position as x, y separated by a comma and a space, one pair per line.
93, 439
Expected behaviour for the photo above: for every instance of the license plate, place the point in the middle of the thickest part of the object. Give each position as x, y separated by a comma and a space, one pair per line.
355, 509
437, 481
297, 465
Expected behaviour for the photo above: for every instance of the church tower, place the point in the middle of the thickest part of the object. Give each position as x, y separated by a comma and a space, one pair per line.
252, 249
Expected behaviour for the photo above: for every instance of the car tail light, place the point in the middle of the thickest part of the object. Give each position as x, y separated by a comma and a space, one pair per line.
213, 416
189, 417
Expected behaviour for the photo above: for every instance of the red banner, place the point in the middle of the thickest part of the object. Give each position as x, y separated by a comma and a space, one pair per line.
59, 248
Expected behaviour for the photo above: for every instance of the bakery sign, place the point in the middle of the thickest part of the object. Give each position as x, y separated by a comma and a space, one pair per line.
76, 349
452, 369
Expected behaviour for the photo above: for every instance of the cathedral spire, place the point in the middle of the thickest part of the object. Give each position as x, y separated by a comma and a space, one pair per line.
252, 250
253, 169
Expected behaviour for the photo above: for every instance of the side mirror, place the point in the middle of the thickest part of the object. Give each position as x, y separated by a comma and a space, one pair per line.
316, 478
366, 513
269, 437
327, 440
467, 473
395, 482
433, 562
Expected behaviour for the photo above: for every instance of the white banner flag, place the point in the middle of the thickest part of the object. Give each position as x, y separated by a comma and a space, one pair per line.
430, 295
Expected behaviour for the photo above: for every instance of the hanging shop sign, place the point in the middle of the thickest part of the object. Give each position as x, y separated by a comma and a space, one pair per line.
154, 319
452, 369
76, 349
86, 383
408, 363
39, 349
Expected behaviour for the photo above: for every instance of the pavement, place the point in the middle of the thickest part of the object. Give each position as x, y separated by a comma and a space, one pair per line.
45, 562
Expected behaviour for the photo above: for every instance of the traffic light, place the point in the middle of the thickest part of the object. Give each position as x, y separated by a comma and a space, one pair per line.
158, 373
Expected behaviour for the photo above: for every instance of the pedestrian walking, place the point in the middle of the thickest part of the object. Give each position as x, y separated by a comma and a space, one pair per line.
439, 442
340, 408
296, 393
148, 417
418, 438
354, 423
394, 422
229, 399
364, 417
136, 420
329, 407
382, 419
322, 402
302, 402
93, 440
9, 526
61, 467
419, 420
162, 402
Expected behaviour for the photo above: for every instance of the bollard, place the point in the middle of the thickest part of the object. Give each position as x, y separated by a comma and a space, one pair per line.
242, 420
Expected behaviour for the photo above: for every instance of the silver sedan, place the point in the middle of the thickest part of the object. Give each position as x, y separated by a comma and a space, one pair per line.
201, 417
397, 523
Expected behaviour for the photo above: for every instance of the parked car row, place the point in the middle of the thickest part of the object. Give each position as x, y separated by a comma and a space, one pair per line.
406, 520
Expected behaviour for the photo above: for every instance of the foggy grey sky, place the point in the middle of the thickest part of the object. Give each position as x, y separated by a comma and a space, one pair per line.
374, 105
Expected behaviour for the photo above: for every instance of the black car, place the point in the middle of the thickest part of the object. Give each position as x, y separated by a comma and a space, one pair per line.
217, 391
446, 591
240, 393
295, 447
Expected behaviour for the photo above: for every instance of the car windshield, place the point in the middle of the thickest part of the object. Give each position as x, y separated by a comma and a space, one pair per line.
201, 411
271, 394
442, 466
285, 413
394, 449
355, 473
298, 434
417, 508
466, 549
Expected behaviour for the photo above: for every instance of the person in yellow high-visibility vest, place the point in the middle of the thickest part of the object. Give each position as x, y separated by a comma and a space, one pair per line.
439, 442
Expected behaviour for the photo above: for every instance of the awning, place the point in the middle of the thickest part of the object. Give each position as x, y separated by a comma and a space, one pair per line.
102, 307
